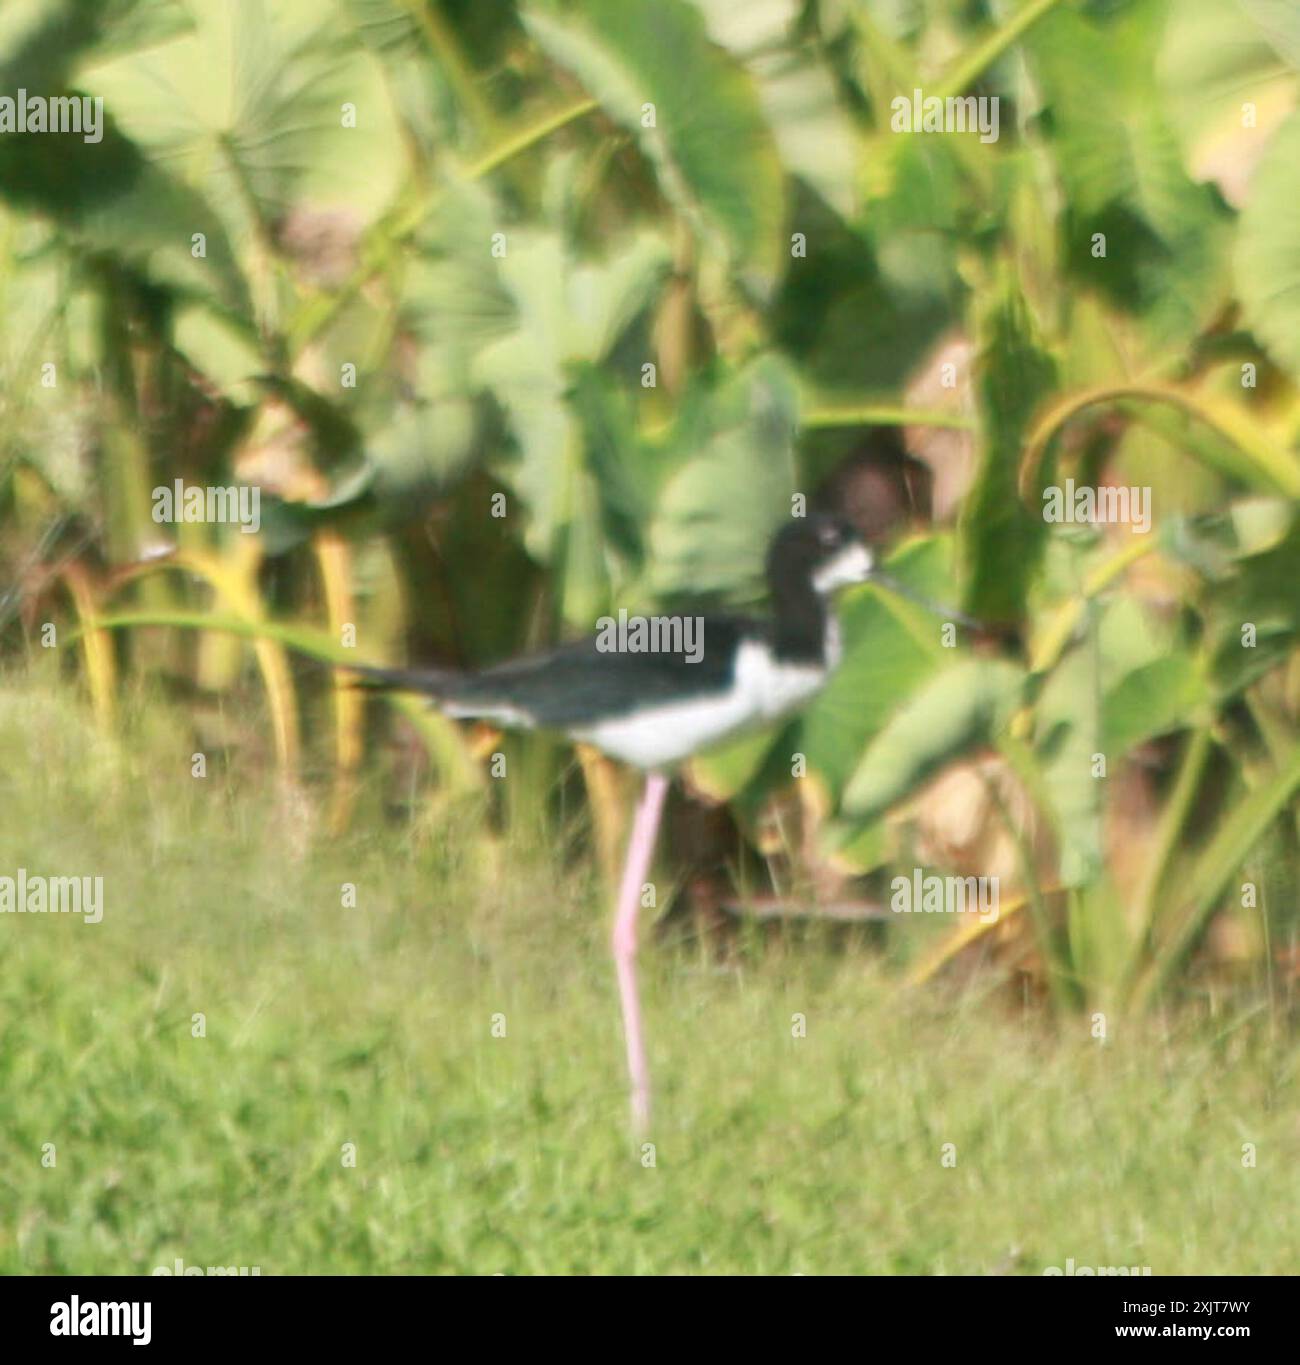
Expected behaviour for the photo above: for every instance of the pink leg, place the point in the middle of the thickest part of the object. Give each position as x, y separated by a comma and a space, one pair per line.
635, 869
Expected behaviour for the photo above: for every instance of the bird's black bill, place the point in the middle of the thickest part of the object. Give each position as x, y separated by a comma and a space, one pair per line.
939, 609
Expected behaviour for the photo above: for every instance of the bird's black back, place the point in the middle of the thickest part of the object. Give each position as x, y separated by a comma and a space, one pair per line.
577, 683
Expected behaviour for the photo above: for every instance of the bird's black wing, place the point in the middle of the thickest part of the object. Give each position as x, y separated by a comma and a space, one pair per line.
579, 683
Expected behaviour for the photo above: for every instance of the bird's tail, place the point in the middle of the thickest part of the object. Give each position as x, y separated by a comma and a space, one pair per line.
432, 682
458, 694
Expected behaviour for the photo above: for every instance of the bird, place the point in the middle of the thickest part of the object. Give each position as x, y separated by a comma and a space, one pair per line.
653, 708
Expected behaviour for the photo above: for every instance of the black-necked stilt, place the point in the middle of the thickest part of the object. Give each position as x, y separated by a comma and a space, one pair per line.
654, 708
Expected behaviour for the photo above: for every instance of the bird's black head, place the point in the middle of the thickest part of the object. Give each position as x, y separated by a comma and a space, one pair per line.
822, 552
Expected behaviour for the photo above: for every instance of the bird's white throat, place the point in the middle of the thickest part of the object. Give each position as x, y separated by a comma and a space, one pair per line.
853, 564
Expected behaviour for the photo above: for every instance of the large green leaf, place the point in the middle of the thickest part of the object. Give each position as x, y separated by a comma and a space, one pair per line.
891, 646
1206, 886
1154, 699
963, 707
526, 322
731, 487
1279, 21
249, 108
694, 111
812, 128
1067, 718
1261, 594
1215, 58
454, 297
107, 195
1121, 166
1001, 538
569, 313
225, 353
1093, 704
427, 106
1267, 255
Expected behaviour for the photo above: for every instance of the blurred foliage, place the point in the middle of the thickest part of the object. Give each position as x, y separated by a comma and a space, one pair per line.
520, 311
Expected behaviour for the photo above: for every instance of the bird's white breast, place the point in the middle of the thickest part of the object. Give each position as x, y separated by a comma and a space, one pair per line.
762, 688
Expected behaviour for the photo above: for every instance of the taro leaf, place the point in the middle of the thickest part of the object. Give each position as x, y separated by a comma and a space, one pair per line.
1214, 59
1121, 167
731, 487
222, 350
1253, 619
1121, 641
112, 199
814, 134
1154, 699
891, 647
1259, 524
813, 131
963, 707
1001, 538
1068, 725
456, 301
427, 106
46, 39
1279, 21
628, 467
1267, 256
694, 111
569, 314
249, 110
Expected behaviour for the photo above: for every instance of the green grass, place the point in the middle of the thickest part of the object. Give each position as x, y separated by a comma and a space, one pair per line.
373, 1026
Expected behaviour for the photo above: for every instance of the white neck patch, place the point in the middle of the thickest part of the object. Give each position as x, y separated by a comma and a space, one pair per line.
853, 564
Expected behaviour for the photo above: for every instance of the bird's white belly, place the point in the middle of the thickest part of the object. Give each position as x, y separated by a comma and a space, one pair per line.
762, 689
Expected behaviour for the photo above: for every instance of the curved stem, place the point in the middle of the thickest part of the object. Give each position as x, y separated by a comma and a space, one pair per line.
1265, 462
527, 137
882, 415
970, 68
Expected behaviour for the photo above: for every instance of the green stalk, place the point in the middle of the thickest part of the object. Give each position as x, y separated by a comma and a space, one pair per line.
1061, 629
1222, 860
527, 137
970, 68
389, 235
1172, 821
308, 640
882, 415
446, 51
896, 63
